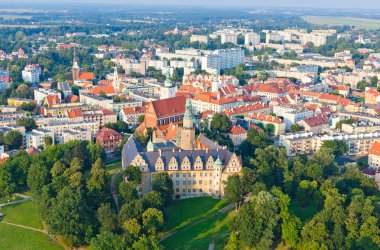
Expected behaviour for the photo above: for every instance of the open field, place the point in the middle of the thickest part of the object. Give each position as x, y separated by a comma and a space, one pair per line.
16, 238
26, 26
9, 199
25, 214
113, 167
184, 212
340, 21
200, 235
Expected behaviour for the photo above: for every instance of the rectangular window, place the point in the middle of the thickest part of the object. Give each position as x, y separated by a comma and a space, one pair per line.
184, 190
184, 175
201, 174
177, 190
177, 175
183, 182
171, 175
189, 174
194, 190
194, 174
194, 182
177, 183
189, 182
200, 181
200, 190
189, 190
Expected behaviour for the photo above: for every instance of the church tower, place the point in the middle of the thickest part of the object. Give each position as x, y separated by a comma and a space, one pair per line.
115, 80
187, 141
75, 69
215, 82
168, 90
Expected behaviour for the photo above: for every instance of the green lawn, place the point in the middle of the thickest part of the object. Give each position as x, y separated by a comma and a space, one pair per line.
9, 199
16, 238
113, 166
25, 214
200, 235
183, 212
304, 213
364, 23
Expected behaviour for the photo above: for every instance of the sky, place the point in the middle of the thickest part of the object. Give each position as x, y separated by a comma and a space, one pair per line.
352, 4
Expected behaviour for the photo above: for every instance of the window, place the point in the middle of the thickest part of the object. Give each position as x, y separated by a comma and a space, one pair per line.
194, 190
200, 190
189, 182
183, 182
200, 181
201, 174
194, 174
177, 175
177, 190
177, 183
184, 175
194, 182
184, 191
189, 174
189, 190
171, 175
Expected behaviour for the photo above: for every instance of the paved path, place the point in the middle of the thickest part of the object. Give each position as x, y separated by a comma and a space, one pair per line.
30, 228
25, 198
114, 193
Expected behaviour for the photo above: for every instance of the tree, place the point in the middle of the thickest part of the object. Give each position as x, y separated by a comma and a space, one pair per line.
97, 184
145, 242
262, 76
48, 140
28, 106
256, 221
13, 139
119, 126
107, 218
107, 240
305, 192
132, 228
164, 185
152, 199
133, 174
272, 164
27, 122
233, 191
338, 147
270, 128
7, 185
374, 81
296, 128
127, 191
221, 123
68, 217
152, 220
38, 176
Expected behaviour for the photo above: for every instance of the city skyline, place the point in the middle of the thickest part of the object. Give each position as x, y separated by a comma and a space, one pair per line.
365, 4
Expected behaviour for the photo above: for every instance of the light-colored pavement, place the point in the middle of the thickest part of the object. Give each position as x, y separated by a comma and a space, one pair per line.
25, 198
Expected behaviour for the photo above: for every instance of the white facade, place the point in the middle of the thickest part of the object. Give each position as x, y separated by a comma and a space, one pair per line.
292, 115
36, 137
59, 128
223, 59
31, 73
228, 38
251, 38
40, 94
199, 38
76, 134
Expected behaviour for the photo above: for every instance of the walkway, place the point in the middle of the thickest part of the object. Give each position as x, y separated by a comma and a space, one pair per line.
30, 228
25, 198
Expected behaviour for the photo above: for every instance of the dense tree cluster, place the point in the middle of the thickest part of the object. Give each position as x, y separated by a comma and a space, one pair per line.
344, 201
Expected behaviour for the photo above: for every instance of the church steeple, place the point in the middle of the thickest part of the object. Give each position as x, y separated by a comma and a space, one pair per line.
188, 131
75, 69
115, 80
168, 83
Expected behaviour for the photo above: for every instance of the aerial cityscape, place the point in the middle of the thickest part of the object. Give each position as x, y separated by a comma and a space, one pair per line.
203, 125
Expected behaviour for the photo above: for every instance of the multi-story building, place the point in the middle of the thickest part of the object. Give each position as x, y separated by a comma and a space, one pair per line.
199, 38
17, 102
76, 134
94, 100
131, 115
279, 125
40, 95
292, 114
36, 138
223, 59
31, 73
374, 155
59, 127
237, 134
193, 172
109, 139
308, 142
101, 115
227, 37
251, 38
59, 110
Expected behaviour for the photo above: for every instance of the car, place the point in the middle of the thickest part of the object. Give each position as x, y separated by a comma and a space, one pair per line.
1, 215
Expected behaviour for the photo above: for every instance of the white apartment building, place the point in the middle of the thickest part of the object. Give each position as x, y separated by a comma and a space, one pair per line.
223, 59
58, 128
274, 37
251, 38
317, 40
292, 114
36, 137
199, 38
94, 100
41, 93
31, 73
76, 134
227, 37
308, 142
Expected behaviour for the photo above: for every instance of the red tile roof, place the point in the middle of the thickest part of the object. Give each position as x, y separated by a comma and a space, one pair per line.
169, 107
86, 76
375, 149
106, 89
237, 130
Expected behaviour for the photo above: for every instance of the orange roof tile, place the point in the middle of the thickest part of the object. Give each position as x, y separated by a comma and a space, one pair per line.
375, 149
86, 76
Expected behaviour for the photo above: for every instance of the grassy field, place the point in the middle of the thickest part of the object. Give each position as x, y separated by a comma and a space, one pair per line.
9, 199
16, 238
200, 235
25, 214
184, 212
340, 21
113, 166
